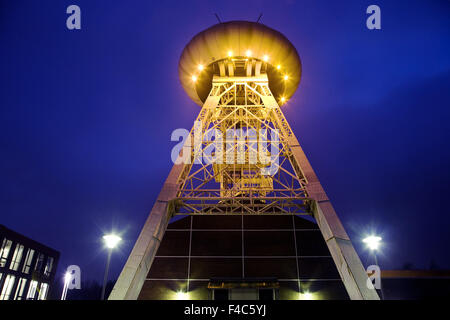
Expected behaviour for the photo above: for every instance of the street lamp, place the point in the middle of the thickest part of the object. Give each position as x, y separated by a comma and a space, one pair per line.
306, 295
67, 278
373, 243
111, 241
181, 295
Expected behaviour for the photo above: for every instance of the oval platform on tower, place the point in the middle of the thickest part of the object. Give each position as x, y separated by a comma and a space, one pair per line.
239, 48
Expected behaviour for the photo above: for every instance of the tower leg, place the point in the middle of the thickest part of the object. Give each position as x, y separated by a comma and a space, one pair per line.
134, 273
349, 265
344, 255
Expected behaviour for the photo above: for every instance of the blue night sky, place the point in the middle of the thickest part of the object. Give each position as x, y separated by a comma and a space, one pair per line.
86, 117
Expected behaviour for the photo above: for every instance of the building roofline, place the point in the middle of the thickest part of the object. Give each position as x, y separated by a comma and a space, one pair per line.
28, 241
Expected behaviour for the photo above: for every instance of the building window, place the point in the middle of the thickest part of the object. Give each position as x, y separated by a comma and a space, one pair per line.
39, 262
43, 291
28, 259
32, 290
4, 251
20, 288
17, 257
7, 287
48, 266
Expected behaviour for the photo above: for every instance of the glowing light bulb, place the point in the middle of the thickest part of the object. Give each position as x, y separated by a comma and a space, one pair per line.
200, 67
266, 58
230, 53
278, 67
307, 296
283, 99
194, 78
373, 242
111, 240
180, 295
286, 77
248, 53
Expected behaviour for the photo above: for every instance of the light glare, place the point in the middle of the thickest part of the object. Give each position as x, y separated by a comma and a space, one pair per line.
373, 242
248, 53
266, 58
111, 240
180, 295
200, 67
306, 296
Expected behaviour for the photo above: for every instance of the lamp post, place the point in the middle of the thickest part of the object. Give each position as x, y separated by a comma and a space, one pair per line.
111, 241
67, 278
373, 243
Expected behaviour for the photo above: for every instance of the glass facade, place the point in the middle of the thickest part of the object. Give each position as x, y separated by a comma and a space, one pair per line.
39, 262
20, 289
243, 257
17, 257
43, 291
27, 268
4, 251
48, 266
29, 258
32, 290
7, 287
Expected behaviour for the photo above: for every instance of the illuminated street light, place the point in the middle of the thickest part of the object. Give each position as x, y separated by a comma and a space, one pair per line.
372, 242
181, 295
67, 279
306, 296
111, 241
